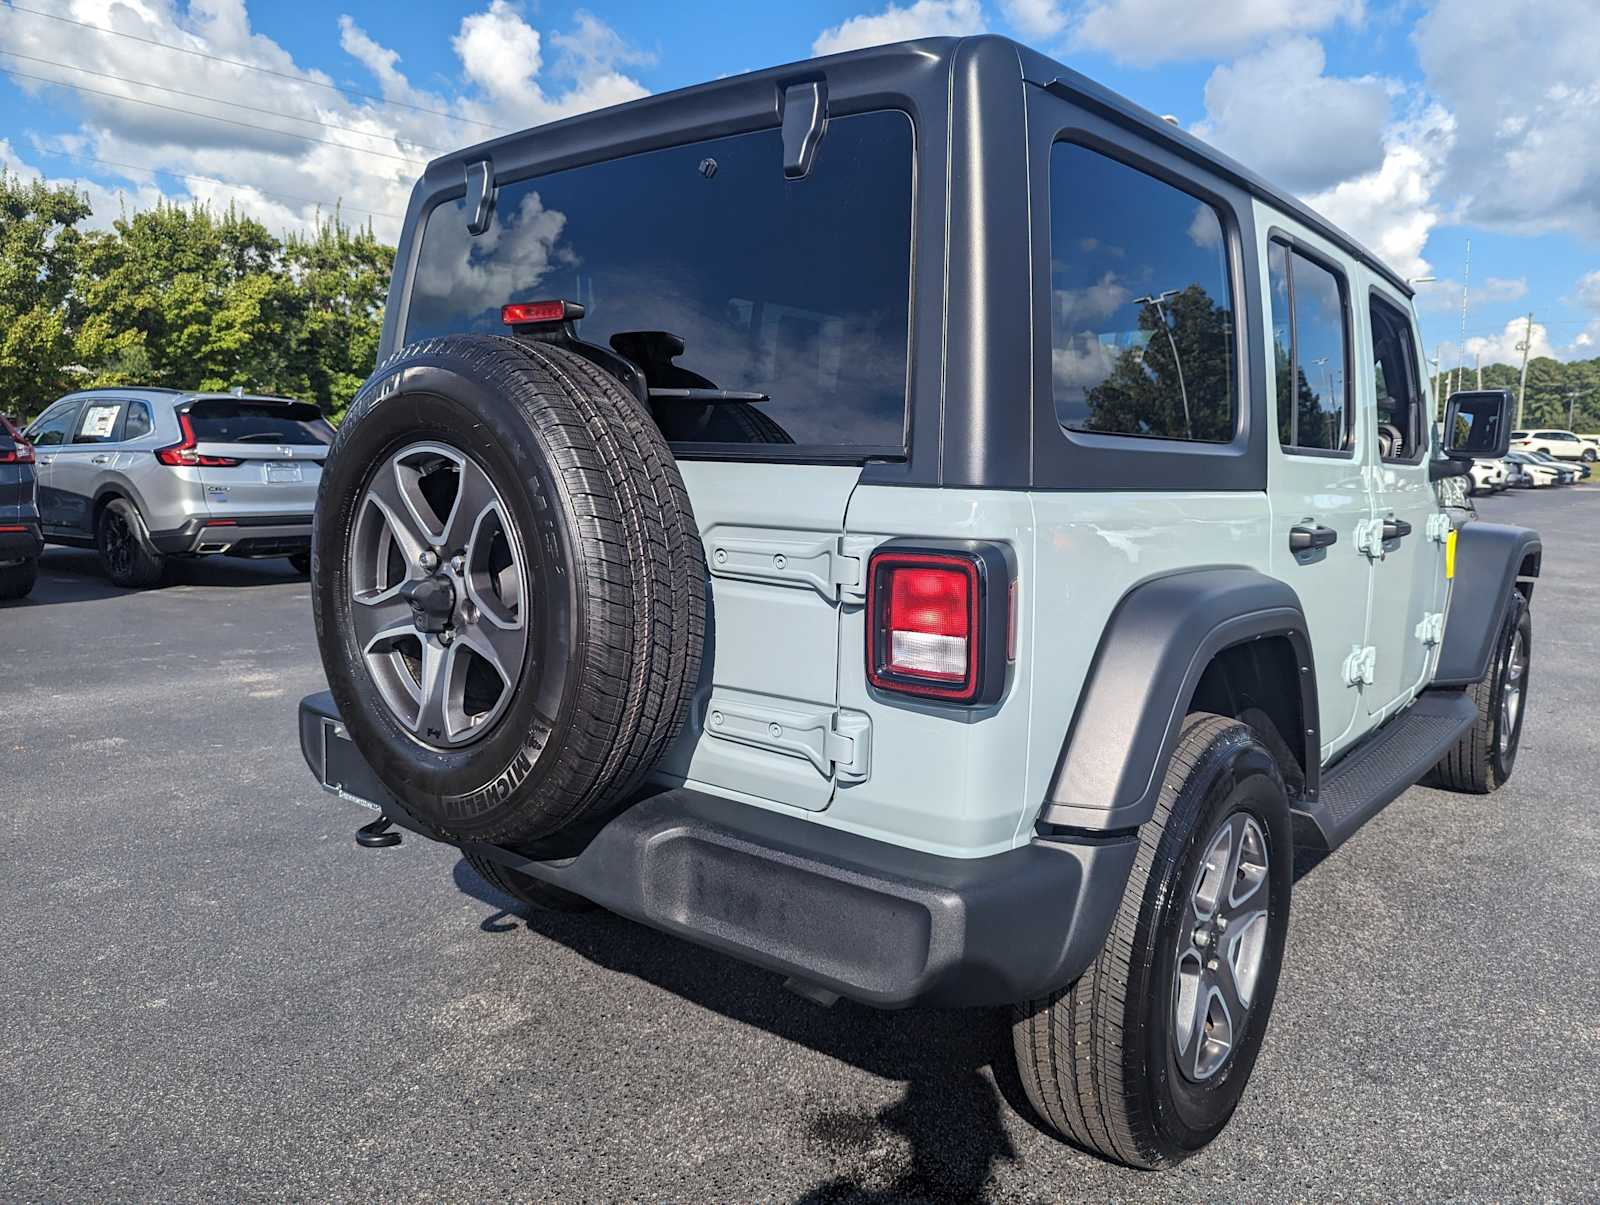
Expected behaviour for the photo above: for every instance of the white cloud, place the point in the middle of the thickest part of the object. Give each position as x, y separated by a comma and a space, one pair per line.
1035, 18
1145, 32
921, 19
1393, 210
499, 50
1589, 290
1505, 346
1444, 294
1317, 130
1523, 81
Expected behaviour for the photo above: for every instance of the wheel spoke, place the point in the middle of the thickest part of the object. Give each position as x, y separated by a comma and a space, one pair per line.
386, 495
440, 692
380, 615
1247, 863
475, 497
1242, 953
500, 647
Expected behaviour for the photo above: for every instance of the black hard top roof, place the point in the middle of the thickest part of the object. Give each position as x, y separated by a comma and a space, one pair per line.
1036, 69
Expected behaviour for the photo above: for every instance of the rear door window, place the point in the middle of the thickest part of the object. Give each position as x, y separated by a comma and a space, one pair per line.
1397, 384
1141, 308
138, 422
230, 422
708, 268
98, 422
1310, 333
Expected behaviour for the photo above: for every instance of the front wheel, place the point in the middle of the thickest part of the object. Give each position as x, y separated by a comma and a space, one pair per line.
1482, 760
1588, 456
1144, 1059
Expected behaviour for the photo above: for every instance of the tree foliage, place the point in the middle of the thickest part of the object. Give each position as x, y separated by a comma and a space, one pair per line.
182, 296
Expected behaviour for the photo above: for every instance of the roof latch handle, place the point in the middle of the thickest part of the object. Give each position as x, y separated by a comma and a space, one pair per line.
804, 109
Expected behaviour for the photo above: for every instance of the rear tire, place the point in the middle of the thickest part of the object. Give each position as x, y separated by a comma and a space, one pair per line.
525, 889
1588, 456
16, 581
1130, 1061
128, 557
1482, 760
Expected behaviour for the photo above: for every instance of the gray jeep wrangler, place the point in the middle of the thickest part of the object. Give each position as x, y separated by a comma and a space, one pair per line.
918, 523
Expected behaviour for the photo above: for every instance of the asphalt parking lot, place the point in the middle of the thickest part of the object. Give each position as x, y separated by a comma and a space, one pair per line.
208, 991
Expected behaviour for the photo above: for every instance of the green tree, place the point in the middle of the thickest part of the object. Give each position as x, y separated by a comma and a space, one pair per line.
40, 248
340, 279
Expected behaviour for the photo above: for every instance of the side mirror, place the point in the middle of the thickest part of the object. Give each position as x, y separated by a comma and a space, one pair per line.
1477, 425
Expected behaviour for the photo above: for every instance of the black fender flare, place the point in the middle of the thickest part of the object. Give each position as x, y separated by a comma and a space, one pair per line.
1489, 565
1155, 647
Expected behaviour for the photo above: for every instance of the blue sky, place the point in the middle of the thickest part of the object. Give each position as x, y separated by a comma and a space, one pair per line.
1416, 125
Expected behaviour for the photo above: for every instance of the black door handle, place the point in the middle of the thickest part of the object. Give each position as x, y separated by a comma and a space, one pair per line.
1306, 536
1395, 529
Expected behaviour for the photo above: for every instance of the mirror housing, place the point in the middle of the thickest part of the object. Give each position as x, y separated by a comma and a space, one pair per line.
1477, 424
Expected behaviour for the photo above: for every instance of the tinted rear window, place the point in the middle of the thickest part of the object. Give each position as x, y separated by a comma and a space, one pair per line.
798, 289
259, 422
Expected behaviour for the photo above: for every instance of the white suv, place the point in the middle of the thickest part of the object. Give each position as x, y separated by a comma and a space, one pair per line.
1563, 445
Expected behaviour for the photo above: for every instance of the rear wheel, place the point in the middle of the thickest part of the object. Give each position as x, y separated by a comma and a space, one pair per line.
126, 553
1145, 1057
1482, 760
17, 578
1588, 456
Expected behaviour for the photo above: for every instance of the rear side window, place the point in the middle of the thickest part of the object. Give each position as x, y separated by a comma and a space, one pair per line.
138, 421
1141, 308
709, 269
1402, 425
298, 423
1310, 334
98, 423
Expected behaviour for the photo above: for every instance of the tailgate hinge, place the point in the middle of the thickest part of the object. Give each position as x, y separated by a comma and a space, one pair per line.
1439, 527
1431, 629
833, 566
1361, 666
837, 741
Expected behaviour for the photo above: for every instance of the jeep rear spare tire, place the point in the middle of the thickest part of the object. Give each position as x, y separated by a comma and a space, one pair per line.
511, 596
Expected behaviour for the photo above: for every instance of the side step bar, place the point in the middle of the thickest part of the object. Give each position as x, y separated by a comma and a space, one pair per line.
1371, 776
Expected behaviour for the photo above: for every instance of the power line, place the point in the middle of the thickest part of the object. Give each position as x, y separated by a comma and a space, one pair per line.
216, 100
299, 79
133, 100
232, 184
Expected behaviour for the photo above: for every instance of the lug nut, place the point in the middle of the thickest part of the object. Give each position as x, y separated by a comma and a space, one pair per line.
1201, 937
429, 560
458, 563
1222, 922
1211, 965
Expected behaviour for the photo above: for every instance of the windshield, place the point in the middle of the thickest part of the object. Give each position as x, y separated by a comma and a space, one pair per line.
710, 270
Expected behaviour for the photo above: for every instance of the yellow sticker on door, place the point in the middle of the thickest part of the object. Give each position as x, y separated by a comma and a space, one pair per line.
1450, 555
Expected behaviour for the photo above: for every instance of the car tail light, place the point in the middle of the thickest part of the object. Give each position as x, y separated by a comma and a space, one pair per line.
938, 622
22, 455
183, 454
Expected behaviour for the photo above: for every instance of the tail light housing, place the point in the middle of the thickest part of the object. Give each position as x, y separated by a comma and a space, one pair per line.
183, 454
22, 455
939, 620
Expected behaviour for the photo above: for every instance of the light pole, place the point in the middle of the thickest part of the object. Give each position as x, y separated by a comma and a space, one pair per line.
1155, 300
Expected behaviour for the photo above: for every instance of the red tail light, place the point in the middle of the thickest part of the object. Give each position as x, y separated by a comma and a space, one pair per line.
23, 454
536, 313
183, 454
933, 629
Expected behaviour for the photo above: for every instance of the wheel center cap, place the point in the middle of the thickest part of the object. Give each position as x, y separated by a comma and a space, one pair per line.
432, 601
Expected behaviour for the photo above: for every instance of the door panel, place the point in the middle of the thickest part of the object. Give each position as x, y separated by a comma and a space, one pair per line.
765, 723
1318, 489
49, 434
80, 463
1408, 580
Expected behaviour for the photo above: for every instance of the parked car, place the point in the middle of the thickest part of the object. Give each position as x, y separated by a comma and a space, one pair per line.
811, 572
1488, 476
19, 514
1535, 473
1570, 471
144, 475
1563, 445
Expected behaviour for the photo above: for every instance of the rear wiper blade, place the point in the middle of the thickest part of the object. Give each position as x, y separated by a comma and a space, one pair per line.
707, 395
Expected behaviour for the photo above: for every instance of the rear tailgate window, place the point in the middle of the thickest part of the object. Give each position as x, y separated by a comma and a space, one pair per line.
710, 269
227, 421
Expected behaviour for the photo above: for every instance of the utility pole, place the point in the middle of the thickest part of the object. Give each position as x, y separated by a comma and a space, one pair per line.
1438, 378
1572, 405
1522, 385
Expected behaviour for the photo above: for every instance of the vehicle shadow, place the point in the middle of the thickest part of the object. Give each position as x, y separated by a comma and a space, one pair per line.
948, 1116
74, 575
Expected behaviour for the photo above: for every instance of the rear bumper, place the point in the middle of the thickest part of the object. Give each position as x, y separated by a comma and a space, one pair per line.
20, 545
875, 922
240, 535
